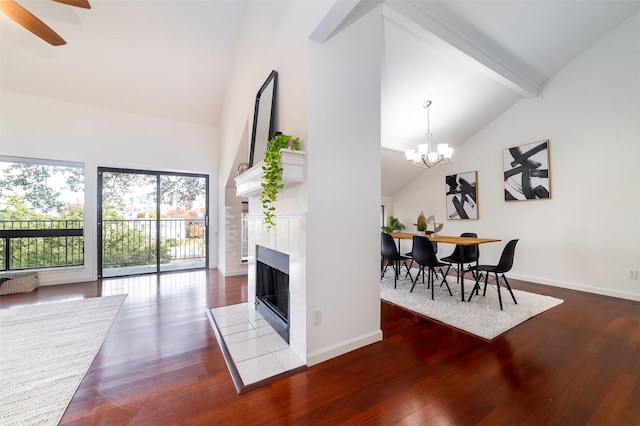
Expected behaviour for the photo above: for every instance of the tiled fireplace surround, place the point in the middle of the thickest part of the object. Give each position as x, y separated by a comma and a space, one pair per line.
253, 350
246, 362
288, 236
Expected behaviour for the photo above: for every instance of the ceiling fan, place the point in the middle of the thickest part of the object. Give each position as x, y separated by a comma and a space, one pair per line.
29, 21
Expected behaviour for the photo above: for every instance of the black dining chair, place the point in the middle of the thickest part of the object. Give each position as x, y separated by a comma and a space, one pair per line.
410, 253
462, 255
425, 256
390, 254
504, 265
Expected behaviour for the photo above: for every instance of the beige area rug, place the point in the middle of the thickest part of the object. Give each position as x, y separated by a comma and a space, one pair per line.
481, 317
45, 352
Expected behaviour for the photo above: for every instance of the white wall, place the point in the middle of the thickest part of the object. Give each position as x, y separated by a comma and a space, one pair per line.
233, 264
273, 37
586, 236
344, 195
43, 128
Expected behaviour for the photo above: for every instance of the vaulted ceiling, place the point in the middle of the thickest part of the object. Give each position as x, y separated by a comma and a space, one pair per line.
171, 59
474, 60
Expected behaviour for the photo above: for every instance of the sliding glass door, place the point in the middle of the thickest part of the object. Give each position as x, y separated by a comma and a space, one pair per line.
151, 222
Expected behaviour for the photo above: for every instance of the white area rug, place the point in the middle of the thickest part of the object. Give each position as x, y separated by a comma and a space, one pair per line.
45, 352
482, 316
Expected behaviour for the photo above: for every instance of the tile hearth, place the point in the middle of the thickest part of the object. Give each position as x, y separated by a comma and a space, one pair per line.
255, 354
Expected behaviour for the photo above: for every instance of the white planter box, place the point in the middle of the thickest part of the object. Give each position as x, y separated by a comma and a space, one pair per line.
249, 184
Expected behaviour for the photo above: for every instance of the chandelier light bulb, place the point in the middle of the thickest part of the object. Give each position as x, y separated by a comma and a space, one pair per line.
448, 153
408, 154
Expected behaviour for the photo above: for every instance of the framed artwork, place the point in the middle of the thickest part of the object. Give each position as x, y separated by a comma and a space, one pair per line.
462, 196
526, 172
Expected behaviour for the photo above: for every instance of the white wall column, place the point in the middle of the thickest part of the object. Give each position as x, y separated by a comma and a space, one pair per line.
343, 242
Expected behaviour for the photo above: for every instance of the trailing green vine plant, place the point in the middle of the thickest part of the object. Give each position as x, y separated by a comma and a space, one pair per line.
272, 179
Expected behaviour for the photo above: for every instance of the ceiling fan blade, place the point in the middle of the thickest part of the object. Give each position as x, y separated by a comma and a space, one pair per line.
29, 21
77, 3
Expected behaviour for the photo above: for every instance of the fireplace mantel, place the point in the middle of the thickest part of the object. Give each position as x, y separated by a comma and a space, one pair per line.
249, 184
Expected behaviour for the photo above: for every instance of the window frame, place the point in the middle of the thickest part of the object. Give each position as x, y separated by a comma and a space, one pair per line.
43, 231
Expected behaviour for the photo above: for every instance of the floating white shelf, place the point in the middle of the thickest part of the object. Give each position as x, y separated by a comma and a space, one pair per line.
249, 184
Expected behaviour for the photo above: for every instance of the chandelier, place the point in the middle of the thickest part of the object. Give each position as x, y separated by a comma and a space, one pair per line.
428, 155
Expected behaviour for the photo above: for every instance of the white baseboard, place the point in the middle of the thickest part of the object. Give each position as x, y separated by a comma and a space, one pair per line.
235, 272
342, 348
578, 287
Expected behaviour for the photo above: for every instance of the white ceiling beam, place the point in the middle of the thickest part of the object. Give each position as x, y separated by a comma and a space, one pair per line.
331, 22
340, 16
452, 42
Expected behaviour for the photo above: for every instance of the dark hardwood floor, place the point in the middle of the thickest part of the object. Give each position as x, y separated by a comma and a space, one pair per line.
576, 364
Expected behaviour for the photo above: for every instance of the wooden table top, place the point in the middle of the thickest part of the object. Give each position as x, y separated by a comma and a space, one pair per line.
463, 241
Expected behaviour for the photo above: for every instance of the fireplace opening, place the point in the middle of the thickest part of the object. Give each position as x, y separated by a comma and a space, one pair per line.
272, 288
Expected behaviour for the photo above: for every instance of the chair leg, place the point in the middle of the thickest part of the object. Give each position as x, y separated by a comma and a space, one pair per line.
448, 269
444, 275
417, 276
432, 273
384, 267
499, 295
509, 288
486, 280
408, 268
444, 281
408, 274
476, 286
395, 273
474, 273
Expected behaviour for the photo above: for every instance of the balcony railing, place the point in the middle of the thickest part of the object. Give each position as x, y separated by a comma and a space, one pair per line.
130, 243
125, 243
35, 244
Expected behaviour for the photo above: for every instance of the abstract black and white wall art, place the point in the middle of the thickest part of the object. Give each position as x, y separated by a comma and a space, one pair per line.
462, 196
526, 172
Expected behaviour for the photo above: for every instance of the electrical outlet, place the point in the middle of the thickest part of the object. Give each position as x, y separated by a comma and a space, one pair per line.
632, 274
317, 317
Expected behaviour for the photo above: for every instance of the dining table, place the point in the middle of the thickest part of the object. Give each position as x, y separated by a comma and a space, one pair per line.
447, 239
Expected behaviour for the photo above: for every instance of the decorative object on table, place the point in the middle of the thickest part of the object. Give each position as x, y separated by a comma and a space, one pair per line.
421, 224
437, 227
429, 155
393, 225
272, 178
263, 118
47, 350
462, 195
18, 282
242, 167
526, 172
